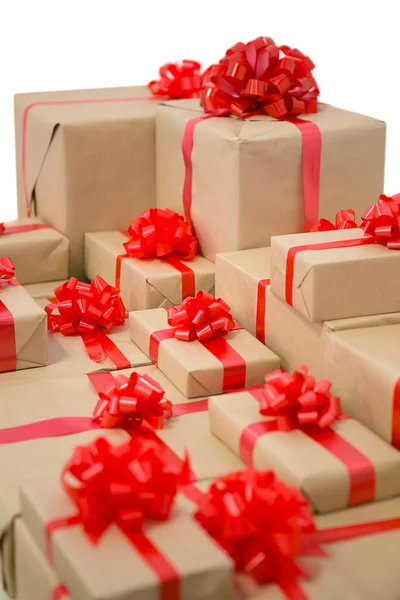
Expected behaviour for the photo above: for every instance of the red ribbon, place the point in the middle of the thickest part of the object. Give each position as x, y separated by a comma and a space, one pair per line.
8, 348
10, 229
128, 401
261, 77
382, 221
396, 416
7, 271
178, 80
344, 219
59, 592
261, 307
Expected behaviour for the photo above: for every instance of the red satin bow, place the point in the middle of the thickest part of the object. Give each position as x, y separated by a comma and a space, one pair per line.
2, 228
158, 233
259, 521
123, 484
382, 221
345, 219
298, 400
130, 401
203, 317
85, 308
178, 80
7, 270
258, 78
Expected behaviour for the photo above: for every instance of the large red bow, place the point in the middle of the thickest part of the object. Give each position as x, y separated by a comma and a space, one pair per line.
130, 401
123, 484
203, 317
158, 233
259, 521
261, 77
178, 80
2, 228
344, 219
7, 270
85, 308
382, 221
298, 400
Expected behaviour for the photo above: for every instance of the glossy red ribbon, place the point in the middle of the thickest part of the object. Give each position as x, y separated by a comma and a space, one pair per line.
7, 270
128, 401
261, 78
261, 308
382, 221
178, 80
10, 229
59, 592
8, 348
396, 416
344, 219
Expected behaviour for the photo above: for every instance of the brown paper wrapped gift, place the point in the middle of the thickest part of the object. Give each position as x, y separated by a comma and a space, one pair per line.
23, 341
364, 365
39, 254
91, 150
43, 291
247, 182
194, 367
334, 283
300, 341
143, 283
324, 465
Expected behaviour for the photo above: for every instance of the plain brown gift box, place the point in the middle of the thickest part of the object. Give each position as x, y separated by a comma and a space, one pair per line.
247, 175
89, 159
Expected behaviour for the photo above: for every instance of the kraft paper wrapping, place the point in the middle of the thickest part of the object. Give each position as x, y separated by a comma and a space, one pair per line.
337, 283
364, 366
189, 365
30, 327
301, 461
237, 275
93, 150
39, 255
40, 291
144, 283
300, 341
248, 174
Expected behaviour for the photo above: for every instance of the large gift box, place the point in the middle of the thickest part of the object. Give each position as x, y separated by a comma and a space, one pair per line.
93, 150
335, 274
43, 291
244, 179
38, 252
200, 368
145, 283
339, 465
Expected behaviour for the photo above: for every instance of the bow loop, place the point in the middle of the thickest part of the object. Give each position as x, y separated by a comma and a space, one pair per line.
382, 221
7, 271
345, 219
178, 80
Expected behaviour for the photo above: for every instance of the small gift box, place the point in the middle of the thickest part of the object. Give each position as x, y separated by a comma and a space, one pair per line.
23, 324
199, 348
293, 425
150, 274
38, 252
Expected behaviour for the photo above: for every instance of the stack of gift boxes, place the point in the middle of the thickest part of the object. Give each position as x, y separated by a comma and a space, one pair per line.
215, 408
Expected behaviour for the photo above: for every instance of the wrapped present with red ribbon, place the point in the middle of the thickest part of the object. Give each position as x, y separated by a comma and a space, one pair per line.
200, 347
256, 155
294, 425
23, 329
155, 263
339, 272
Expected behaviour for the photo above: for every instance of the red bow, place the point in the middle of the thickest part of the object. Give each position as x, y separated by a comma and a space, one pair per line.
382, 221
2, 228
85, 308
123, 484
130, 401
259, 521
203, 317
258, 78
7, 270
178, 80
345, 219
298, 400
158, 233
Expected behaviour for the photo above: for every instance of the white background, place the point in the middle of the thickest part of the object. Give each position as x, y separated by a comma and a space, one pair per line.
58, 44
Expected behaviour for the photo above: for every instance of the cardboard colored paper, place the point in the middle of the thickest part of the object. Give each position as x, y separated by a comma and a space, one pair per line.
191, 366
143, 283
303, 461
247, 182
43, 291
92, 150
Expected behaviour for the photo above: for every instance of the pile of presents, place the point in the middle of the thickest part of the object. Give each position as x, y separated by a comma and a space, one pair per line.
199, 342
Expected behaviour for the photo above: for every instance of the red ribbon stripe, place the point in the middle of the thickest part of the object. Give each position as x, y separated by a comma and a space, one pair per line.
11, 229
261, 306
8, 348
396, 416
59, 592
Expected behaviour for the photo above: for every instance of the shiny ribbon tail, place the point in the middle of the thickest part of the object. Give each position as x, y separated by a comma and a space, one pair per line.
98, 344
8, 348
261, 307
59, 592
351, 532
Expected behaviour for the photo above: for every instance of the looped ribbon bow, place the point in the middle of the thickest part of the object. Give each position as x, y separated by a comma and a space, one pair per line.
178, 80
203, 318
124, 484
7, 271
261, 77
132, 400
2, 228
259, 521
158, 233
297, 400
344, 219
382, 221
85, 308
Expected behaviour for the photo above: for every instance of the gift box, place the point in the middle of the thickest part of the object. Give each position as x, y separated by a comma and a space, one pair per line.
38, 252
341, 465
145, 283
94, 151
43, 291
200, 368
242, 278
244, 180
364, 365
327, 275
